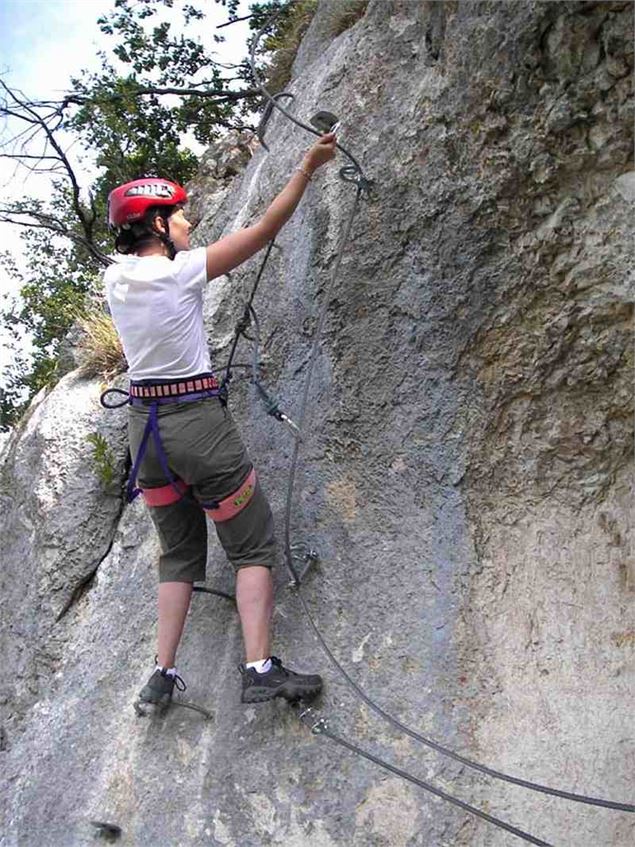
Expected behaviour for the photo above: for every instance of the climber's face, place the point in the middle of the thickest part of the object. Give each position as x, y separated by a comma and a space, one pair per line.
179, 230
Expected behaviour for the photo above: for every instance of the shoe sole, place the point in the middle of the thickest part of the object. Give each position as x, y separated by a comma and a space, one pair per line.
290, 694
146, 707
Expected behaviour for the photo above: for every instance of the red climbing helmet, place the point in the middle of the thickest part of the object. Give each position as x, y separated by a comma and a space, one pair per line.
129, 202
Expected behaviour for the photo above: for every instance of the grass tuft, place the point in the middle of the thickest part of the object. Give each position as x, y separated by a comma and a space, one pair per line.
338, 17
103, 459
99, 351
283, 45
345, 14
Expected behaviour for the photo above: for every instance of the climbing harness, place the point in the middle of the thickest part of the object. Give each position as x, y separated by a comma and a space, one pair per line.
161, 394
354, 174
153, 395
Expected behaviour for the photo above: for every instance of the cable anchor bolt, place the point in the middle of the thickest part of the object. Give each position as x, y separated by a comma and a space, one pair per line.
306, 556
316, 725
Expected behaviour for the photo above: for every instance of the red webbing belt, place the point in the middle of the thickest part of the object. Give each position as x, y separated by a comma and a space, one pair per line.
174, 389
226, 509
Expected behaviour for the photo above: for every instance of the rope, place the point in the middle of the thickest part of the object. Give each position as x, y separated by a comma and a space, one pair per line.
321, 728
305, 393
250, 319
439, 748
355, 175
242, 324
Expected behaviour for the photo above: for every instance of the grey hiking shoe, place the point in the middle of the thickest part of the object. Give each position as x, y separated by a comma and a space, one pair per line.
158, 689
278, 681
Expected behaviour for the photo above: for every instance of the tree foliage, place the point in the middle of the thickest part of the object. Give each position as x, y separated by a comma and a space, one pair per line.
58, 277
124, 116
157, 86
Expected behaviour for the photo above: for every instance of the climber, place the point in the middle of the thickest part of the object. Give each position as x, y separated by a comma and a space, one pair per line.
190, 460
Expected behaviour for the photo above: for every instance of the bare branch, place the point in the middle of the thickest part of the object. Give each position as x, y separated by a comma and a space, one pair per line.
229, 66
20, 117
34, 169
27, 111
17, 137
86, 222
220, 94
234, 21
44, 118
26, 156
44, 221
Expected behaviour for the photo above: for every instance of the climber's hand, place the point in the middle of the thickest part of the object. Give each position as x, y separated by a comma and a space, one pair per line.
321, 152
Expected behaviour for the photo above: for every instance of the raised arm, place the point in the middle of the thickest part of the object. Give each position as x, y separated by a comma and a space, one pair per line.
234, 249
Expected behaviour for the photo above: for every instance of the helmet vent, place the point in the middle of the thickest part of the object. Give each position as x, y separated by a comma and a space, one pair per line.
150, 189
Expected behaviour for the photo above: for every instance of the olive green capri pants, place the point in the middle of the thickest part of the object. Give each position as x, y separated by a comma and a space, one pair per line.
204, 450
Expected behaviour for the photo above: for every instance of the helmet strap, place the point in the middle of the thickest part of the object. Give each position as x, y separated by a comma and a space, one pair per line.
164, 237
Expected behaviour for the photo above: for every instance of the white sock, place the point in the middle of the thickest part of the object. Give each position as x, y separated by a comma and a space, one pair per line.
261, 666
168, 671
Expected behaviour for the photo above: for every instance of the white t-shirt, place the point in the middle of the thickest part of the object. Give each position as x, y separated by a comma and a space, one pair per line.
157, 306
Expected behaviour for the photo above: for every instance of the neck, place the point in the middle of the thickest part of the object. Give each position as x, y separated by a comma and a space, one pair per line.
152, 250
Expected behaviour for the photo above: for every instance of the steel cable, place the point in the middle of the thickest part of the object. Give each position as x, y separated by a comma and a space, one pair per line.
320, 728
355, 174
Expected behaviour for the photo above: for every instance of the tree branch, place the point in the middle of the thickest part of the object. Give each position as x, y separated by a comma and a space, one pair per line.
26, 156
46, 117
234, 21
44, 221
86, 223
220, 94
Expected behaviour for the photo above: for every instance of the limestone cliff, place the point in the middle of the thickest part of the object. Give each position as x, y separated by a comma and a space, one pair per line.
467, 478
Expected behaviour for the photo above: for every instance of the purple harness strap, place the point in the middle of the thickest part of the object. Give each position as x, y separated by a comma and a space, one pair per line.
152, 428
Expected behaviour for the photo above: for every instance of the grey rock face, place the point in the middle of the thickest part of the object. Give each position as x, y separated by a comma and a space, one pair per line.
59, 520
467, 473
219, 165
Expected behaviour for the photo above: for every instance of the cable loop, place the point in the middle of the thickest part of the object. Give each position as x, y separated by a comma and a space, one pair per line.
266, 115
108, 405
274, 104
354, 175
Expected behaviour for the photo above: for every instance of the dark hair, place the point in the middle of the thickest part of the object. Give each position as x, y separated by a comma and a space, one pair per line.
142, 232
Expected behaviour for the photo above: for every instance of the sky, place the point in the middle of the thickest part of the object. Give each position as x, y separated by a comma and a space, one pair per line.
43, 44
